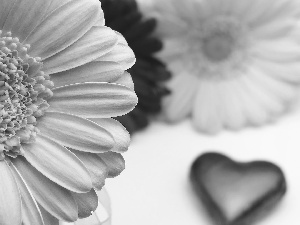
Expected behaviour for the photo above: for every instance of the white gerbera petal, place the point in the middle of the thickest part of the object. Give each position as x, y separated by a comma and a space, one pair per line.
96, 71
116, 129
126, 80
55, 4
180, 105
93, 100
254, 11
30, 211
280, 10
51, 196
10, 207
96, 167
285, 47
48, 218
206, 111
232, 106
114, 161
96, 42
75, 132
24, 16
225, 45
6, 6
280, 90
50, 37
274, 29
259, 106
172, 25
86, 202
288, 72
121, 54
58, 164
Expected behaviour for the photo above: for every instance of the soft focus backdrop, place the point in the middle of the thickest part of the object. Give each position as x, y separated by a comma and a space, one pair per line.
155, 189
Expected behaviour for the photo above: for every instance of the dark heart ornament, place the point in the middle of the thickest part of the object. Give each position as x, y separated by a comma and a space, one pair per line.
236, 193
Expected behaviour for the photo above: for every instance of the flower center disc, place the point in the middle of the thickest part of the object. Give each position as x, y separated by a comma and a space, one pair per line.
218, 47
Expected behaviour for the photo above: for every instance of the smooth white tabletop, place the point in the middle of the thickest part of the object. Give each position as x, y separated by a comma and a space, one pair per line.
155, 188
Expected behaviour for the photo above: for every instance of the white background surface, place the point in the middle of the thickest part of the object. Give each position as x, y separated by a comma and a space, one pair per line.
155, 189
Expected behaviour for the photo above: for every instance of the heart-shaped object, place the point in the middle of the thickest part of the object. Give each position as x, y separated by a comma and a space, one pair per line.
236, 193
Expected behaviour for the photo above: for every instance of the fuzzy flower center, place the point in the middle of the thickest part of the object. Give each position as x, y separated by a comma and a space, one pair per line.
24, 90
221, 47
218, 47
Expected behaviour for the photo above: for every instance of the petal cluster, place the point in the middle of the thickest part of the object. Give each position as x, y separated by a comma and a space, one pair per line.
235, 63
61, 81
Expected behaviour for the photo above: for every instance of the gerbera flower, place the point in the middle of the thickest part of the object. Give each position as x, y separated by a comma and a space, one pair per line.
235, 62
57, 140
148, 73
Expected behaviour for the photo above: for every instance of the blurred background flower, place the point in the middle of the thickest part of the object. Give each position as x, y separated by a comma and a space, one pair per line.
58, 143
148, 73
235, 63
